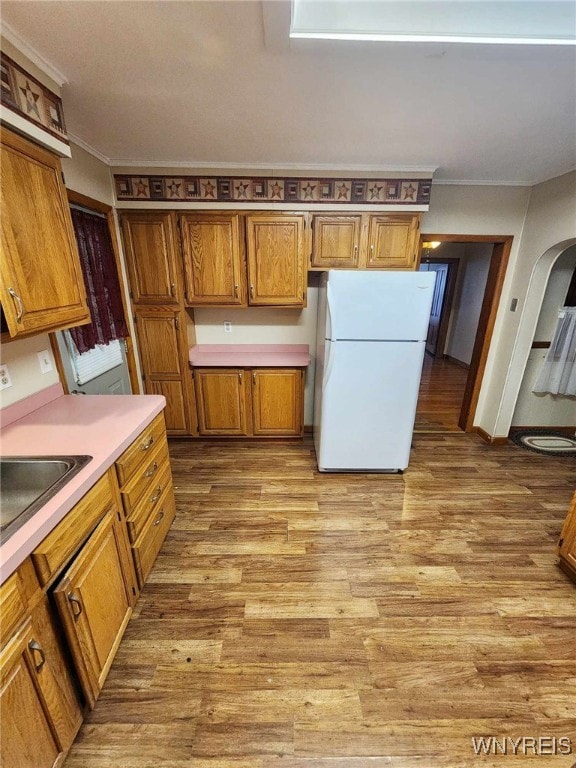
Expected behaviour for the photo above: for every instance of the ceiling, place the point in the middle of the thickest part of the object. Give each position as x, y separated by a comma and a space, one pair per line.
220, 84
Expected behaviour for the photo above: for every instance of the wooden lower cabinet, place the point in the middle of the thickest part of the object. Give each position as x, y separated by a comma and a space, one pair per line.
250, 402
40, 709
567, 545
94, 602
65, 609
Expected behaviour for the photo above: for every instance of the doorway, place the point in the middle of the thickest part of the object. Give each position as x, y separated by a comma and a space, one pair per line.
441, 381
109, 368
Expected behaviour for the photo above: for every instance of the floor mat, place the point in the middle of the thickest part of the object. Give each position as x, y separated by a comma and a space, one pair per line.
545, 441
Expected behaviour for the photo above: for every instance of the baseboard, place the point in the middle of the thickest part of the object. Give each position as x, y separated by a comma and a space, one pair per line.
567, 568
457, 362
489, 438
571, 431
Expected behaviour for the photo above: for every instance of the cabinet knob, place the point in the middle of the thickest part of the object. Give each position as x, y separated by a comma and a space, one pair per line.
152, 469
37, 648
240, 375
19, 304
254, 377
252, 291
75, 604
236, 291
173, 289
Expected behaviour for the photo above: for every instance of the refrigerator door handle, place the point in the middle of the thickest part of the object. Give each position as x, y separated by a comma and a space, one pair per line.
330, 315
329, 366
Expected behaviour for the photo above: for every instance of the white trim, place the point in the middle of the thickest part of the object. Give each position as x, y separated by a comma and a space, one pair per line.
32, 54
35, 132
483, 182
89, 148
264, 168
343, 209
391, 38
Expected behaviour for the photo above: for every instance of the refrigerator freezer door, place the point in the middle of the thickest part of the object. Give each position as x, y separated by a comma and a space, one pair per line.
379, 305
370, 391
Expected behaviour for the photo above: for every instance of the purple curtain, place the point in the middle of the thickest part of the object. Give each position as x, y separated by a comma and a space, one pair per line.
101, 280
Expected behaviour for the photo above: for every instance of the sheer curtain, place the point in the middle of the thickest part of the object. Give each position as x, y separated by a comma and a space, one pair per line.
558, 373
102, 284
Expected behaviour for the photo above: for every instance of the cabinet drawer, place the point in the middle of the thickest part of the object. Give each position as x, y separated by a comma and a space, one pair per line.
70, 534
132, 458
12, 607
148, 503
147, 475
157, 526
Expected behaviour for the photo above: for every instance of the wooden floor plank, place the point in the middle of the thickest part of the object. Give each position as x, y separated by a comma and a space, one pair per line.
304, 620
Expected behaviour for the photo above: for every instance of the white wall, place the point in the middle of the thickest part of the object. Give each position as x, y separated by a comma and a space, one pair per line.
545, 410
550, 228
21, 357
469, 294
263, 325
87, 175
486, 210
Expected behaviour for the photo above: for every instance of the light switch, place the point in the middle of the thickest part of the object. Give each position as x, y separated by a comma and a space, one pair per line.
227, 327
45, 360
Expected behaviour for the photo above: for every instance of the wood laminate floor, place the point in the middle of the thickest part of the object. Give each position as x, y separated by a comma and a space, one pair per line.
440, 396
299, 620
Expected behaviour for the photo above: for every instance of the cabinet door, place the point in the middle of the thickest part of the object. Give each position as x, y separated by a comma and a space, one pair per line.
567, 549
26, 739
163, 354
214, 271
276, 273
222, 401
149, 244
42, 287
336, 241
277, 401
392, 241
94, 603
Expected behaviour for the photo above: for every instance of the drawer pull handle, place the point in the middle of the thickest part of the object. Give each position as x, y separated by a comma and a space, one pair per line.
159, 518
19, 304
37, 648
147, 444
75, 604
152, 469
156, 495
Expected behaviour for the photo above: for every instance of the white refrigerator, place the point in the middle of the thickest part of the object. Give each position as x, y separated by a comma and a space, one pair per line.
372, 329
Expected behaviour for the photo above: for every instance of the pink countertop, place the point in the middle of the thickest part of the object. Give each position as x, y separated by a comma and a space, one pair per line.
101, 426
273, 355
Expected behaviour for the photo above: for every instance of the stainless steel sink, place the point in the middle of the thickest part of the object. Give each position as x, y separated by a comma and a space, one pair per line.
28, 482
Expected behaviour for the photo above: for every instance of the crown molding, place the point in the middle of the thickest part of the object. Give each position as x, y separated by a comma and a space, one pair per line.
89, 148
267, 167
32, 54
480, 183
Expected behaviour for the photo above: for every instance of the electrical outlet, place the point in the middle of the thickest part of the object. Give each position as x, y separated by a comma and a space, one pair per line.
45, 361
5, 380
227, 327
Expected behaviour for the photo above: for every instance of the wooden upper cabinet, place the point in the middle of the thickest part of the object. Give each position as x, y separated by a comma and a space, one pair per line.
150, 246
336, 241
276, 273
41, 287
214, 269
392, 241
364, 241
